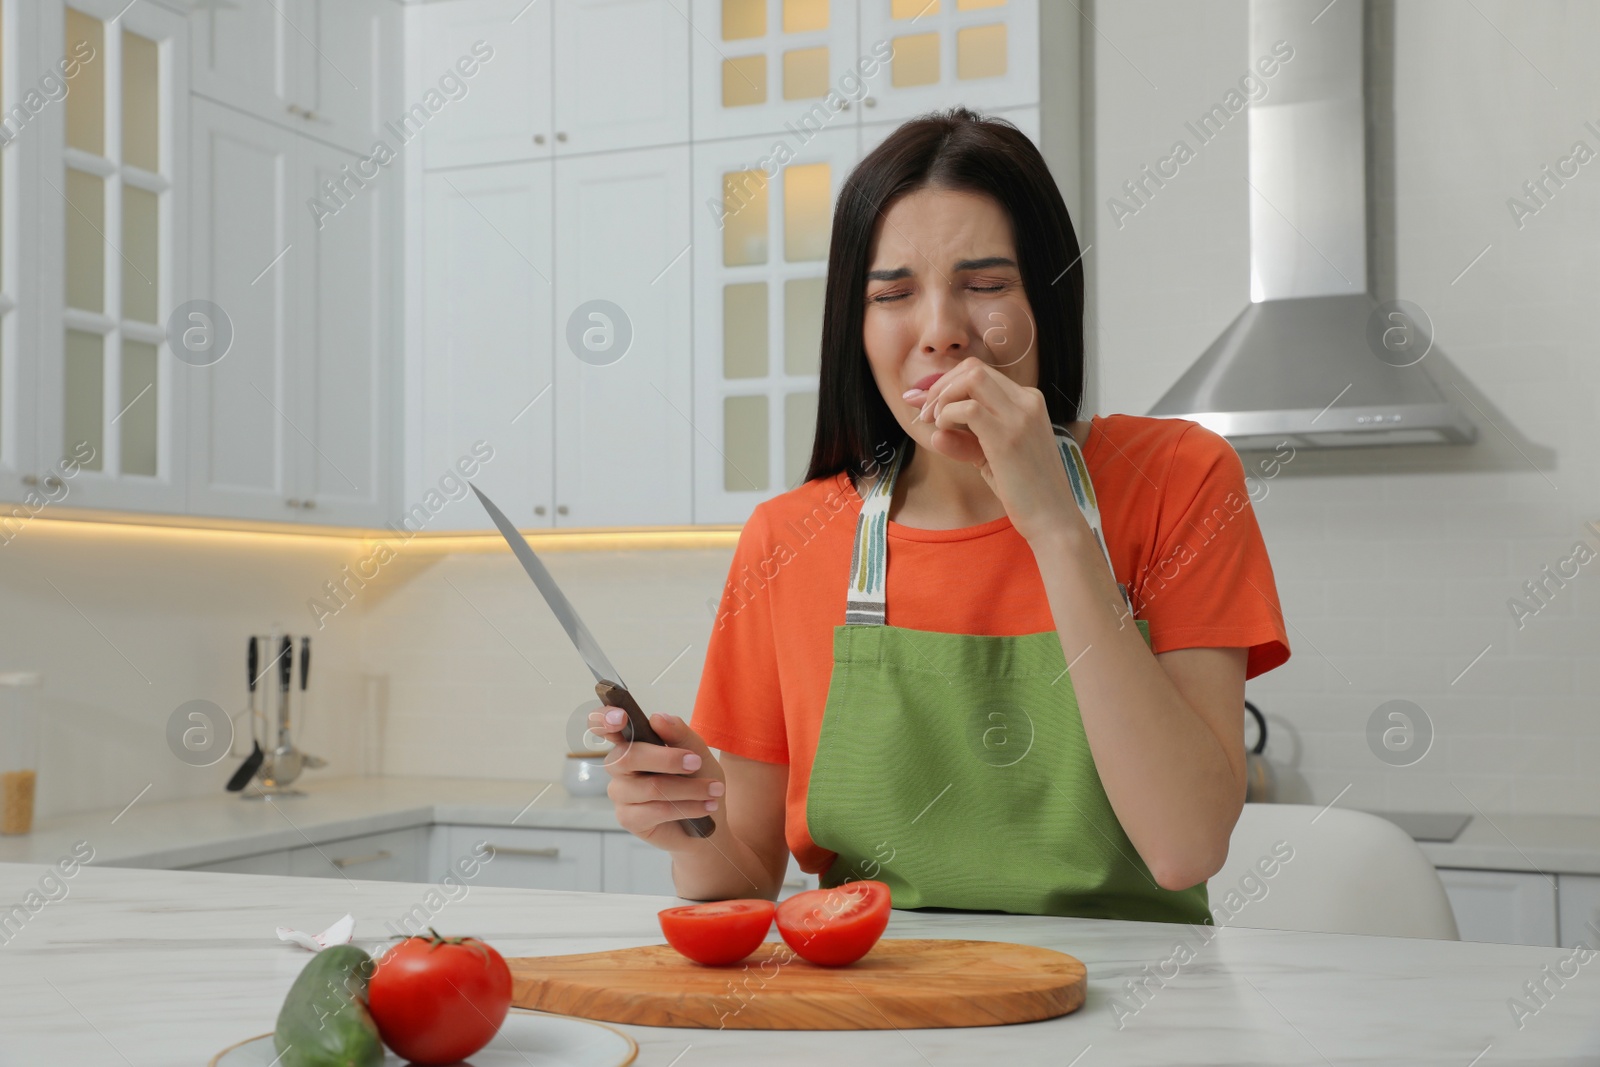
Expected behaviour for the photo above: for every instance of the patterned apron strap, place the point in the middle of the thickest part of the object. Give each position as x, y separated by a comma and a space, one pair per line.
865, 597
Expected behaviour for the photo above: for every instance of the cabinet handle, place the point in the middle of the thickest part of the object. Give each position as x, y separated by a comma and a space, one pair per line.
561, 135
538, 509
561, 509
308, 503
536, 853
794, 882
350, 861
52, 482
302, 112
293, 503
870, 102
538, 138
845, 106
30, 479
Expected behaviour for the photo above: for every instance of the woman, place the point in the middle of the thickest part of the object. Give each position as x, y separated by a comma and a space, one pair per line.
988, 653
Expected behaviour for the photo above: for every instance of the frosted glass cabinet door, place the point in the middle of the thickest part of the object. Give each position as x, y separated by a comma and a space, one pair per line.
761, 260
622, 339
338, 386
111, 217
981, 53
777, 66
621, 75
504, 114
486, 364
243, 444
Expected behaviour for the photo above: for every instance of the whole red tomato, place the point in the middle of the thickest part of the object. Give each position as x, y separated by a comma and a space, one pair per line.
437, 1000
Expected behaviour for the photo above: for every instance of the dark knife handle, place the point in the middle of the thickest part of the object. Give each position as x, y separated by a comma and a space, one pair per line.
637, 728
305, 661
254, 663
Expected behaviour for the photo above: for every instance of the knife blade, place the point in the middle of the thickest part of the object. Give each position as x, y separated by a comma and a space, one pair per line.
609, 686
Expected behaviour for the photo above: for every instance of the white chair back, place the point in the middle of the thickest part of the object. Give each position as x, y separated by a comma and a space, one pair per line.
1330, 870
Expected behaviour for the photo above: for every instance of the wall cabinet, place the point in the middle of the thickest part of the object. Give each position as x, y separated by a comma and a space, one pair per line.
289, 421
109, 193
1507, 907
561, 79
555, 326
310, 65
487, 365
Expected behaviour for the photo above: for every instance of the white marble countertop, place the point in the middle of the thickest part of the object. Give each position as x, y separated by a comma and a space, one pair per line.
145, 967
183, 833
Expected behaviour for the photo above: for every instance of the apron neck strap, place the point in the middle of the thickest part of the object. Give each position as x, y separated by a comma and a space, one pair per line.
865, 599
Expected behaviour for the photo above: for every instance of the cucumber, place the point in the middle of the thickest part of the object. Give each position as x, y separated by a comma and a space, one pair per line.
324, 1021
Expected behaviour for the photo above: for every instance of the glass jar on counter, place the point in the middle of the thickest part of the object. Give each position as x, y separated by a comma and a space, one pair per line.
19, 749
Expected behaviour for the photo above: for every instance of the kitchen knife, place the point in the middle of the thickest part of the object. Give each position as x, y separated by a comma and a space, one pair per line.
252, 763
306, 758
608, 682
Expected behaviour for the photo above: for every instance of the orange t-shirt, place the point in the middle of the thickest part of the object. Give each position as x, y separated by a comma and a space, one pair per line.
1178, 524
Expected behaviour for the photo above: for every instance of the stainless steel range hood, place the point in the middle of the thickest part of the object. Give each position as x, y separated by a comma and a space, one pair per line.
1314, 359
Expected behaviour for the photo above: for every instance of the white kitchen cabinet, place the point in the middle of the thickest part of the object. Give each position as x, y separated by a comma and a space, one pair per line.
570, 78
503, 114
392, 856
622, 339
621, 75
1506, 907
20, 469
634, 866
314, 66
1579, 918
532, 858
345, 404
243, 438
761, 263
290, 423
262, 863
486, 365
109, 194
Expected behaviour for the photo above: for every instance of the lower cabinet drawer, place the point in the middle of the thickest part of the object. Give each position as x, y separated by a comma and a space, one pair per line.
530, 858
261, 863
392, 856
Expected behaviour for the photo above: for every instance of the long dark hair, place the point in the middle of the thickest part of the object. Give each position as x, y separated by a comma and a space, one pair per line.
954, 149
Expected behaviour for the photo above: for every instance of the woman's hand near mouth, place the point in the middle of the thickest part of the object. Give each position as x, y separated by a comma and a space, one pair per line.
982, 417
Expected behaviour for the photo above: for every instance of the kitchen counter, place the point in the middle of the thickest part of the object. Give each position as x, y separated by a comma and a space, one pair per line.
184, 833
148, 967
1553, 844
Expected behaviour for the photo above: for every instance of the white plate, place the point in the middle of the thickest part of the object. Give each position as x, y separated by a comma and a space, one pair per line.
526, 1039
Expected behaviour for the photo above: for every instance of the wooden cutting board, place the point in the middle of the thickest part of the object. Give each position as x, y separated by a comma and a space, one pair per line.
900, 984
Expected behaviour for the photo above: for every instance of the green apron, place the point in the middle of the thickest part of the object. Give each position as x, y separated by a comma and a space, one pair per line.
954, 767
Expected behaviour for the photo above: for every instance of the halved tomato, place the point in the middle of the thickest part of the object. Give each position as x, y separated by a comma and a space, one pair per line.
833, 927
723, 931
